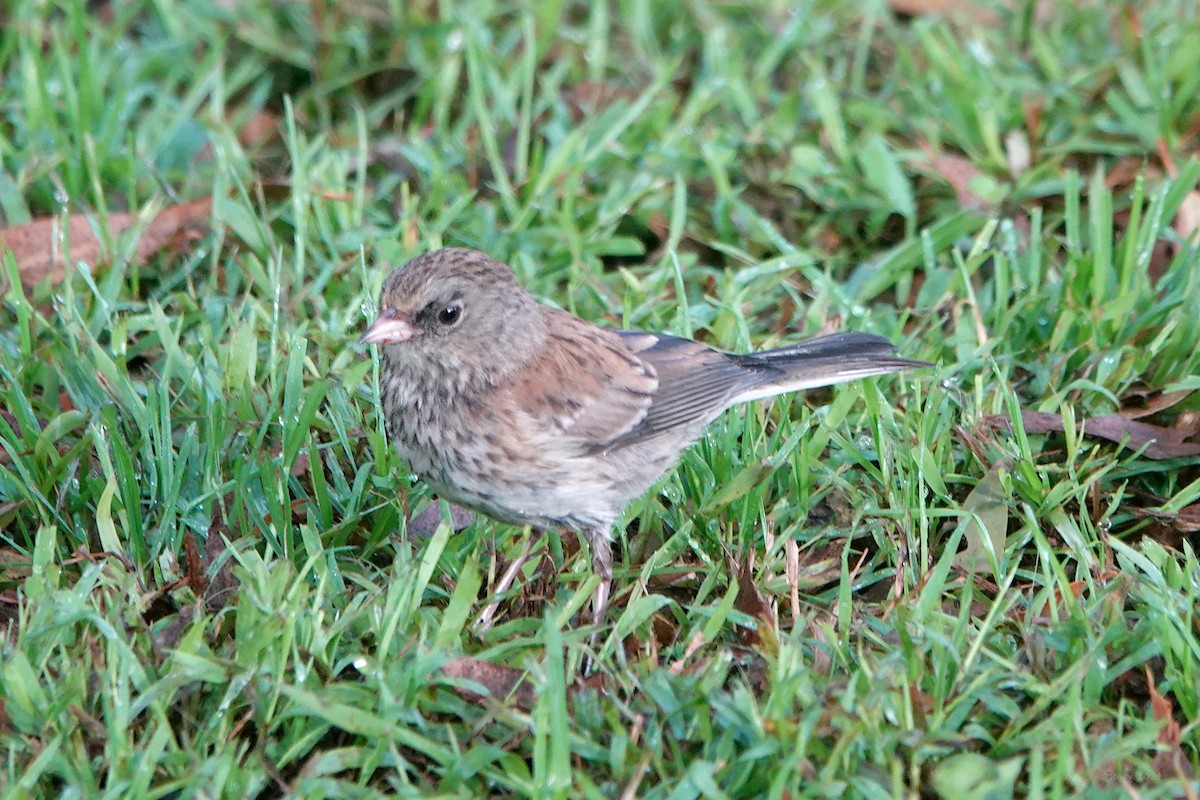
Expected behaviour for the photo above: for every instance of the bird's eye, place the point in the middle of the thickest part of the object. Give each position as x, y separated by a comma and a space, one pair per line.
450, 314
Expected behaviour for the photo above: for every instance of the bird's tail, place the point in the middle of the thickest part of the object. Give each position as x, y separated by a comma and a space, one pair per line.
822, 361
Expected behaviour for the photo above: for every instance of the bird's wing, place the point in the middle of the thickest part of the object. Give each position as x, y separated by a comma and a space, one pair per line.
695, 383
585, 388
598, 390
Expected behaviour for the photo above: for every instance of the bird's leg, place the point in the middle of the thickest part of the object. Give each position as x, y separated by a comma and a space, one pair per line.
484, 620
601, 549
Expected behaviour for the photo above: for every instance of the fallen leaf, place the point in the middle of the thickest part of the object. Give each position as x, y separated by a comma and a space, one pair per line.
427, 521
502, 682
751, 603
1186, 520
1164, 155
412, 235
1170, 762
1126, 171
302, 465
1160, 709
212, 590
791, 571
261, 127
194, 573
665, 630
590, 97
959, 172
14, 565
1153, 402
921, 703
1031, 110
1159, 442
1133, 22
222, 583
987, 530
35, 244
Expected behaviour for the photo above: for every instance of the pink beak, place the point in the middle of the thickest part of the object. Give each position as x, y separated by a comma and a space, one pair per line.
389, 328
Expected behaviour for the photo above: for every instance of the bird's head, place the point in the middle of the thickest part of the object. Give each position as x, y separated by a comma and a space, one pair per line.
457, 309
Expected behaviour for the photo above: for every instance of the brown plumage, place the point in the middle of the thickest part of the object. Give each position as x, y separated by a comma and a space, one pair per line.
534, 416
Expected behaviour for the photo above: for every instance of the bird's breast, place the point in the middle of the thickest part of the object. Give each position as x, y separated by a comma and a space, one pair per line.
481, 449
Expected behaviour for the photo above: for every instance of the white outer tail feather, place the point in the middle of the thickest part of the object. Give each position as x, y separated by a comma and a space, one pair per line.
842, 375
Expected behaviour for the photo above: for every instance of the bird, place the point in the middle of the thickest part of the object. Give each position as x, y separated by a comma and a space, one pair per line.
533, 416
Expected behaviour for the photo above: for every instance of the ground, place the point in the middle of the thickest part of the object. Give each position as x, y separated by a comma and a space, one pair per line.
973, 581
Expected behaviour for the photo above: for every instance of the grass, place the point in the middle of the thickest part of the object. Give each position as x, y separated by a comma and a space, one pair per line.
207, 582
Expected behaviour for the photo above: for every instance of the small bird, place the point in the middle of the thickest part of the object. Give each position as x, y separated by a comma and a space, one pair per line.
534, 416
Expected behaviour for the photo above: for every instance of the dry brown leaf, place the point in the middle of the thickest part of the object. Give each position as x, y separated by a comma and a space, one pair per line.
1186, 520
222, 583
1171, 763
261, 127
213, 589
1031, 111
665, 630
958, 171
35, 244
1168, 160
1133, 21
1153, 402
14, 564
922, 704
589, 97
751, 603
659, 225
791, 571
412, 235
502, 682
302, 465
1160, 443
1160, 709
194, 573
1126, 171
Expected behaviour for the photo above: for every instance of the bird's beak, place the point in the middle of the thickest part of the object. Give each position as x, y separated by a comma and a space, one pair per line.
389, 328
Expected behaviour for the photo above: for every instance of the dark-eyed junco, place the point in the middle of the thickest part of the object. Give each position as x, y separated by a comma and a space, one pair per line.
536, 417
